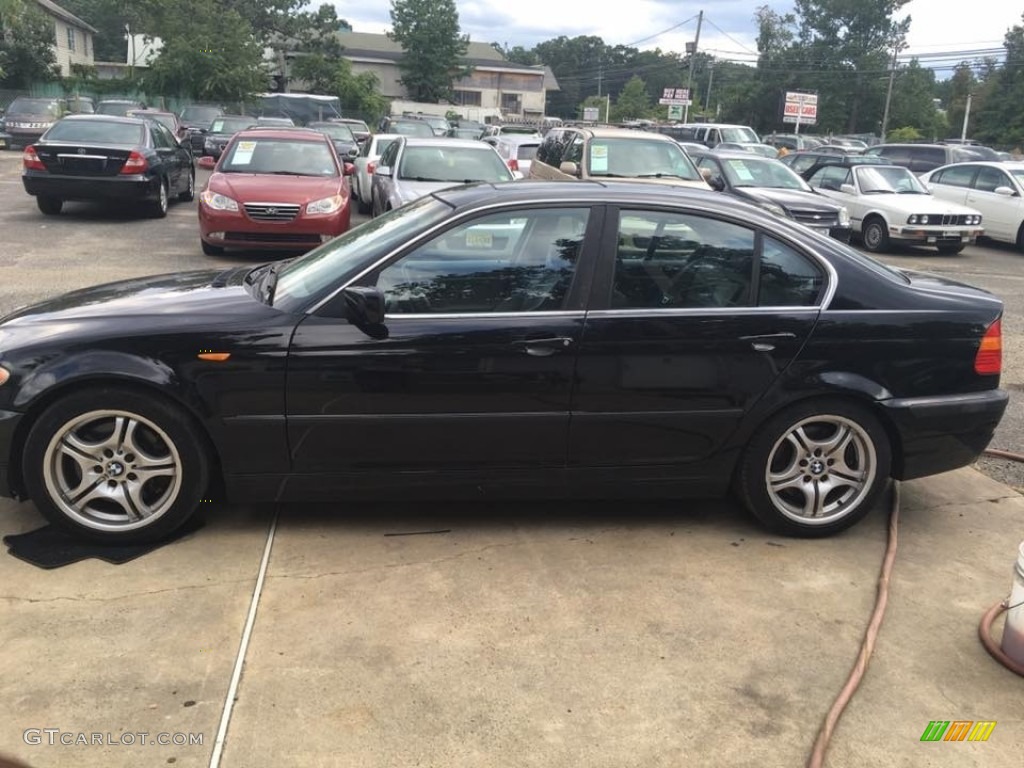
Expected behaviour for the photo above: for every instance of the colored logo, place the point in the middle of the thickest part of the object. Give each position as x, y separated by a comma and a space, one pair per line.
958, 730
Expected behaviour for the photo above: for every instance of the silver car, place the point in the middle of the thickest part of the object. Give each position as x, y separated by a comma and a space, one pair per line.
518, 151
365, 163
412, 167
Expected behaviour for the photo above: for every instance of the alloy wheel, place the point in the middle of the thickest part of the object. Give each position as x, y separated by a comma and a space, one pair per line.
821, 469
112, 470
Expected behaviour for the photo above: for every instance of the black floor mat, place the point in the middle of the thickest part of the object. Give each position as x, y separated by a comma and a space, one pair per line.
48, 547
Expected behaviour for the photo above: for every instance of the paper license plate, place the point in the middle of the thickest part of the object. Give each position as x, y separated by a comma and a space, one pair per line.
951, 233
479, 239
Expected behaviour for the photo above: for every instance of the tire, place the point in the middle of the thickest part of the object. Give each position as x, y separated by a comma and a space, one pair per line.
158, 208
79, 460
362, 206
1020, 238
211, 250
50, 206
808, 497
950, 250
190, 191
374, 209
875, 235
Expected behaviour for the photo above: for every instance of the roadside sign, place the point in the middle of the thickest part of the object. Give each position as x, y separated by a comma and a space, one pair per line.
675, 97
800, 108
591, 114
675, 112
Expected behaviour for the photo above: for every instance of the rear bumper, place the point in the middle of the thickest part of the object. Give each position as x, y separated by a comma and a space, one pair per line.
939, 434
91, 187
9, 421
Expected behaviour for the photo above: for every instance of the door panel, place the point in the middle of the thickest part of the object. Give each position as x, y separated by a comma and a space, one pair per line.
1001, 215
476, 368
683, 350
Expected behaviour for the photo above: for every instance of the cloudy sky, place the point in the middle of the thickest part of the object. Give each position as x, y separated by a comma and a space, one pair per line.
938, 27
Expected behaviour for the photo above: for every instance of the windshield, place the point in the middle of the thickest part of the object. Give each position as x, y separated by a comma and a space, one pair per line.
740, 135
437, 123
286, 157
200, 114
411, 128
335, 131
357, 125
118, 109
528, 130
96, 132
283, 122
455, 164
633, 158
343, 257
762, 172
35, 107
231, 124
165, 118
465, 133
888, 179
1018, 174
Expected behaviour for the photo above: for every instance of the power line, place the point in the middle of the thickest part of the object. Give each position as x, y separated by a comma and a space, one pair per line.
659, 34
733, 39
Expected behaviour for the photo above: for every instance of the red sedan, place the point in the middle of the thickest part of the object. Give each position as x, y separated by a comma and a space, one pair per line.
280, 189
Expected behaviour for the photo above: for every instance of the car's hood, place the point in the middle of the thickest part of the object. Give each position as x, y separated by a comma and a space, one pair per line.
787, 198
916, 204
414, 190
162, 299
262, 188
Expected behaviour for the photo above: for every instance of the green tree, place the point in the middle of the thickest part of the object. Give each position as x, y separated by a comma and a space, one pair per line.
110, 18
600, 103
578, 63
516, 54
27, 37
209, 53
633, 103
428, 31
962, 82
1000, 118
913, 101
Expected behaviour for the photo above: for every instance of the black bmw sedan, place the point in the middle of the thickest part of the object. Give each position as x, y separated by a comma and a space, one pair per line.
768, 183
108, 159
537, 338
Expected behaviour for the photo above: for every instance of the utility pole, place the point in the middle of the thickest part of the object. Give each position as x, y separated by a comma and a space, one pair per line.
711, 81
888, 95
689, 79
967, 117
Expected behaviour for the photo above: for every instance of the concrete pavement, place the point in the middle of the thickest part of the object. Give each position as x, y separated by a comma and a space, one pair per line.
530, 635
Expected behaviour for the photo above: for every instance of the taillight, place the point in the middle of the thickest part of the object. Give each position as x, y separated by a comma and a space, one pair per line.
135, 163
513, 164
370, 168
31, 160
989, 360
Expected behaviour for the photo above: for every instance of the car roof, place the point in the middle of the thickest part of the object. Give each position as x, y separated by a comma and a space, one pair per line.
105, 119
621, 133
283, 132
442, 141
1017, 165
738, 155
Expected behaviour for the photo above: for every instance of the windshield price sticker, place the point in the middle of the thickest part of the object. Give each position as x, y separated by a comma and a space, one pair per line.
741, 170
243, 152
598, 157
478, 239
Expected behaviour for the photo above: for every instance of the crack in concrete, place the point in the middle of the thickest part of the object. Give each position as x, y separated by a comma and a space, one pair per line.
124, 596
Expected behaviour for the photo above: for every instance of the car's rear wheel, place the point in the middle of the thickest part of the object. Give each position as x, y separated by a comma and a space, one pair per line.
158, 208
361, 205
190, 191
50, 206
875, 235
1020, 238
211, 250
815, 469
116, 466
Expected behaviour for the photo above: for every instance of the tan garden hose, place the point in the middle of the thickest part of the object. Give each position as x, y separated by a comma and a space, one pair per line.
817, 758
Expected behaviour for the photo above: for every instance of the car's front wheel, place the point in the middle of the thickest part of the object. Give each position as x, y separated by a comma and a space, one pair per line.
50, 206
875, 235
211, 250
815, 469
116, 466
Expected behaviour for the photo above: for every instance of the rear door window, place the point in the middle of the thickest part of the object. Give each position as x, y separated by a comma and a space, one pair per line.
956, 176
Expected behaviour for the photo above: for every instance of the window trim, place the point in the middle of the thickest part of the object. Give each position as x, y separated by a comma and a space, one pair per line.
71, 38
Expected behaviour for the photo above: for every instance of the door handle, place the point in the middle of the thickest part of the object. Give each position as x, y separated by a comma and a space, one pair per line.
546, 346
759, 337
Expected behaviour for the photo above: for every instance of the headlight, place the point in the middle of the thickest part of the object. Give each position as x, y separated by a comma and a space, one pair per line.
912, 220
924, 219
778, 210
218, 202
844, 217
326, 205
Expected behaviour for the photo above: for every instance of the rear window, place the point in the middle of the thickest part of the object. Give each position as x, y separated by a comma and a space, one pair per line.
38, 107
231, 124
411, 128
200, 114
96, 132
526, 151
118, 109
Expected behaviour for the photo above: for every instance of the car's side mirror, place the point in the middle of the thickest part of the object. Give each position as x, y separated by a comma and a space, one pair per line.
365, 307
207, 162
848, 189
570, 168
348, 169
382, 170
1005, 191
716, 183
353, 153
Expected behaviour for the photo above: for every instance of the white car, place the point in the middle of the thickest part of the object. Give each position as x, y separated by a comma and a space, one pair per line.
995, 189
888, 204
517, 151
369, 154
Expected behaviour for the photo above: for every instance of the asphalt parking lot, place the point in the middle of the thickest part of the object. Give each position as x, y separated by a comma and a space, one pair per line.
646, 634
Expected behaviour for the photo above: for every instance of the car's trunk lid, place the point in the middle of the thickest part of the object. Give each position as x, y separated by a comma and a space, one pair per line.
83, 159
933, 283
